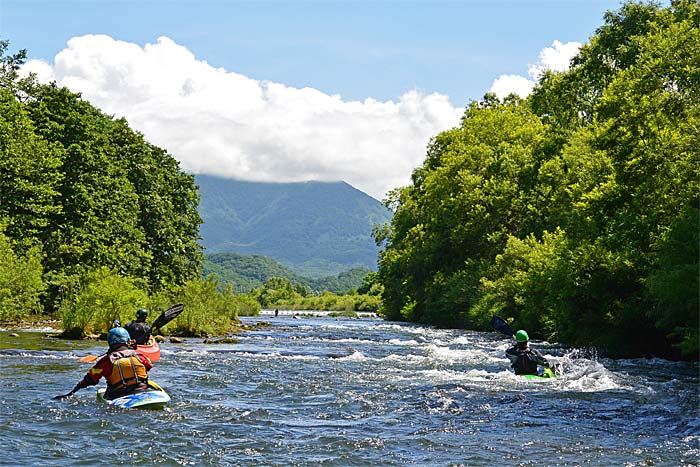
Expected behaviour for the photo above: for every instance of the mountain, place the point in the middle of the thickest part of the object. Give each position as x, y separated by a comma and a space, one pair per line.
316, 229
246, 272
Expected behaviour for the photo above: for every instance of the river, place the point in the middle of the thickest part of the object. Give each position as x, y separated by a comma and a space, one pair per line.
351, 392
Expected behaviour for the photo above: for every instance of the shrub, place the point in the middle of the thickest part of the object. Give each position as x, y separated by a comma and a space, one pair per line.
96, 299
20, 282
207, 311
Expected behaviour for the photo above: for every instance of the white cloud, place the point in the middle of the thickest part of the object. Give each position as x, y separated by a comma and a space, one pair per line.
512, 84
42, 70
556, 58
220, 122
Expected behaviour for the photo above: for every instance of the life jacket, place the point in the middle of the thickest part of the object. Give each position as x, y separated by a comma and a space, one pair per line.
128, 374
522, 361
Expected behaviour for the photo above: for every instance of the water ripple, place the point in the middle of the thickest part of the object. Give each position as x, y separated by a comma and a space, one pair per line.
342, 392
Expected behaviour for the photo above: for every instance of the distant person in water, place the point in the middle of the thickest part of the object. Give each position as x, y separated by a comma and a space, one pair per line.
125, 369
523, 359
139, 331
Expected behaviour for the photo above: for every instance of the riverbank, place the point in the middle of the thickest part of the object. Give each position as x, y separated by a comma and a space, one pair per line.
318, 314
36, 324
54, 329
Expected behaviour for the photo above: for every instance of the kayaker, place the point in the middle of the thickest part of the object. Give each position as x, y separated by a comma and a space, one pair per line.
523, 359
125, 369
138, 329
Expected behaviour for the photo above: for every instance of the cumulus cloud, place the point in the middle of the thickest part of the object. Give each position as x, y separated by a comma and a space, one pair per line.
42, 70
555, 58
512, 84
216, 121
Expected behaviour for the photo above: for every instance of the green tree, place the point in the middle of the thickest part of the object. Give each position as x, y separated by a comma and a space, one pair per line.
275, 290
476, 187
29, 175
125, 203
167, 207
21, 282
571, 212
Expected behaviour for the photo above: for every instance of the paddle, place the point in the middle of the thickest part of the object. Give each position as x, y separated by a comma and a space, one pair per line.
502, 326
90, 358
64, 396
164, 318
167, 316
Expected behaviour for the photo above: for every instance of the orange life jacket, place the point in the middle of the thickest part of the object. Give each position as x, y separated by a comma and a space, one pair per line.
128, 373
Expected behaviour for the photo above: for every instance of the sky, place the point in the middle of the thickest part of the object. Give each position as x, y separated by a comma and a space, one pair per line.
286, 91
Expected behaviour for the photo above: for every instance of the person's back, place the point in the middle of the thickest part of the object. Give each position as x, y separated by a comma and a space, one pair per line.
139, 331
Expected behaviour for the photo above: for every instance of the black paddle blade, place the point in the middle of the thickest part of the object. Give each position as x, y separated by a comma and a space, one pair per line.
62, 396
168, 315
502, 326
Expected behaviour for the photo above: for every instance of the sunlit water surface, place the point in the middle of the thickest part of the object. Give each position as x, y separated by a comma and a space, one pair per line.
344, 392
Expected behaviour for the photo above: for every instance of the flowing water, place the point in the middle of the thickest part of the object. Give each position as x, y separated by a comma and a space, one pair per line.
344, 392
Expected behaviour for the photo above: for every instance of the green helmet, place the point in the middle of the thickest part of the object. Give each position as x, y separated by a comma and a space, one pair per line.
141, 313
521, 336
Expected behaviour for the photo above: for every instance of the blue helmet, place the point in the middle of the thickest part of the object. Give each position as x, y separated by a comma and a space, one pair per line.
118, 336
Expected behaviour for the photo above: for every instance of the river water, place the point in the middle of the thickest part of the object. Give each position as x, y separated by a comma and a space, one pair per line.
349, 392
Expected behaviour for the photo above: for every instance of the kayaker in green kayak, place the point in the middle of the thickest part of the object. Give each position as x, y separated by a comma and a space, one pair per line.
523, 359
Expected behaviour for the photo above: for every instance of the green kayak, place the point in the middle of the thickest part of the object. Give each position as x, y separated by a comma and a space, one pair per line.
546, 374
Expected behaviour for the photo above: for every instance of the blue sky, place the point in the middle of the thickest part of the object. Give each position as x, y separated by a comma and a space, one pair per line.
422, 61
355, 49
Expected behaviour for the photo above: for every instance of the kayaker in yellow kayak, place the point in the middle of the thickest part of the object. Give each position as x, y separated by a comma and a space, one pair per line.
125, 369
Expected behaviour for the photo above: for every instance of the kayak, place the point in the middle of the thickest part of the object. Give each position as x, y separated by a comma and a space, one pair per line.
156, 398
546, 374
537, 377
152, 351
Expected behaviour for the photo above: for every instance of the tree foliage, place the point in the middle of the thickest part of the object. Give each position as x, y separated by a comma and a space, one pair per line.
97, 298
279, 292
208, 311
90, 190
575, 212
21, 283
246, 272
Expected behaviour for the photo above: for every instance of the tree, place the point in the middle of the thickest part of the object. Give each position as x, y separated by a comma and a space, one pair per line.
95, 299
29, 175
476, 187
21, 282
572, 212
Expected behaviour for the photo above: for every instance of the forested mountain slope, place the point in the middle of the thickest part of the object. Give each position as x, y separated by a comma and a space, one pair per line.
246, 272
315, 228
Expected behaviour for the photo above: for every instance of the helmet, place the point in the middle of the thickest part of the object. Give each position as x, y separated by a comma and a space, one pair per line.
118, 336
521, 336
141, 313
